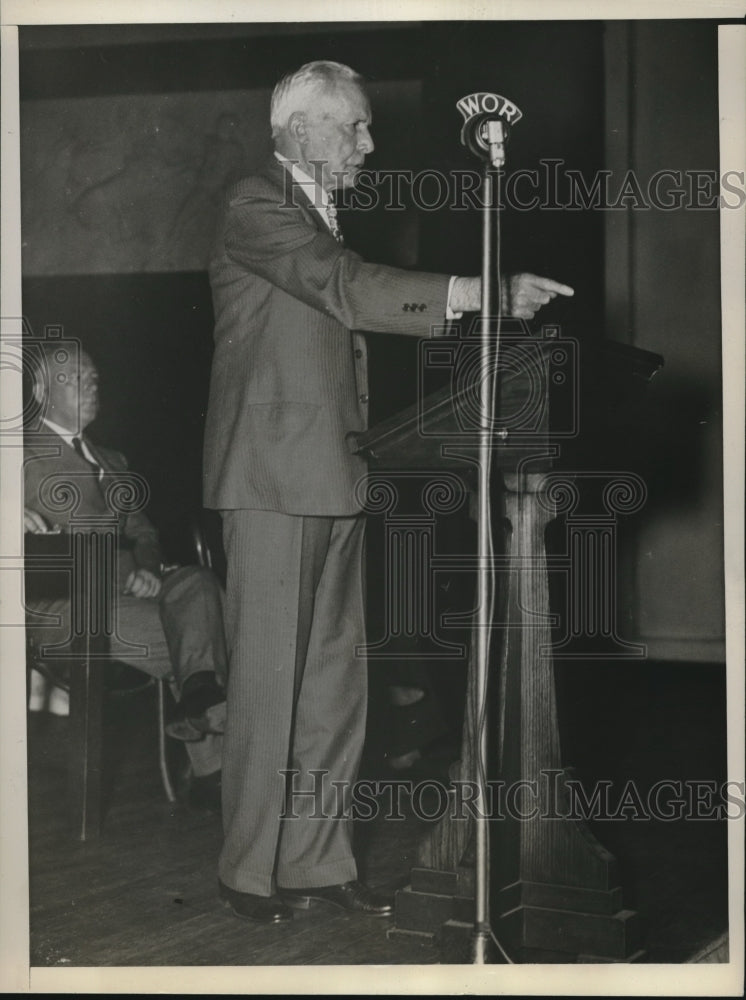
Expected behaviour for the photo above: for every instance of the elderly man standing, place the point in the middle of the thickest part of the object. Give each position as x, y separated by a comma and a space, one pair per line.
288, 384
177, 614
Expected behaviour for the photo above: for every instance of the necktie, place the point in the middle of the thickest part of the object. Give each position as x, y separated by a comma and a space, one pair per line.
331, 214
78, 446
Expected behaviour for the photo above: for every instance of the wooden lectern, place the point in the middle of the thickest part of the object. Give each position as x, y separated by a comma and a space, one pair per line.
556, 895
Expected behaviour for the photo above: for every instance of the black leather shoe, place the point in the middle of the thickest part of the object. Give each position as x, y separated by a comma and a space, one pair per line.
352, 896
200, 692
262, 909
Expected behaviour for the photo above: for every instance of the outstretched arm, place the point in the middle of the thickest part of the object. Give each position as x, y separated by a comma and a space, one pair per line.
525, 294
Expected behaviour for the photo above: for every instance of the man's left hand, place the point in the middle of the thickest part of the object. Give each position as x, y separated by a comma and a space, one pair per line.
142, 583
529, 292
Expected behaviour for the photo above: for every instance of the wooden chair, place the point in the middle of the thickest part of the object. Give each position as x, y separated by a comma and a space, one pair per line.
87, 693
87, 660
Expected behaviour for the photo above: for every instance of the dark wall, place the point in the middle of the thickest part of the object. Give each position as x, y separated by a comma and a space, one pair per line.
150, 336
554, 73
670, 262
70, 62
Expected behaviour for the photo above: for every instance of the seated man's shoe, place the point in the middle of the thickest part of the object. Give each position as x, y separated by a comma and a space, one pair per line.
262, 909
200, 693
59, 701
38, 691
352, 896
205, 790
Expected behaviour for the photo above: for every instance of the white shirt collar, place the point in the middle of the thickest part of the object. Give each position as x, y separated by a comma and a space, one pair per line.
313, 191
67, 436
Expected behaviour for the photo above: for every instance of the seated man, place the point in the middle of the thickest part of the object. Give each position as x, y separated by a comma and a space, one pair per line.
175, 613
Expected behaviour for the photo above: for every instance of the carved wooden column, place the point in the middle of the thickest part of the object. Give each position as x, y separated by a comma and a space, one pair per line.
556, 887
556, 893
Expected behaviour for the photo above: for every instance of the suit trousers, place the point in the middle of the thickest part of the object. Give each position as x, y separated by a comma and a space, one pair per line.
169, 637
296, 701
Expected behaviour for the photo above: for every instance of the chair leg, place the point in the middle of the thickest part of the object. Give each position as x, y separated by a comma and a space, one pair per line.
86, 711
162, 761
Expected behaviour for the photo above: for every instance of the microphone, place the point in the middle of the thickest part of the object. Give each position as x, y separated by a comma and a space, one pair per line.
487, 121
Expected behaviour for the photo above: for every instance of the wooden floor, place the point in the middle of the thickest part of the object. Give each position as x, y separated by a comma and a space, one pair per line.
145, 893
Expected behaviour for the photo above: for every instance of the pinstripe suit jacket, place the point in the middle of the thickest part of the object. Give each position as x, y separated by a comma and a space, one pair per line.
289, 375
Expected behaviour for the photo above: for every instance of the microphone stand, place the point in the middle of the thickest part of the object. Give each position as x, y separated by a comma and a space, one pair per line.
486, 116
489, 367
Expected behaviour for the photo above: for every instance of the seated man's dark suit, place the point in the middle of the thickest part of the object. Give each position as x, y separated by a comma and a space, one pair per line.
182, 628
289, 382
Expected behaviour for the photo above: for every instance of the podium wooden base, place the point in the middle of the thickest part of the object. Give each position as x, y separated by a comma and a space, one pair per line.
580, 922
549, 924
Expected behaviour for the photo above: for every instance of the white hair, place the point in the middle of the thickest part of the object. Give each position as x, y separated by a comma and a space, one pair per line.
295, 91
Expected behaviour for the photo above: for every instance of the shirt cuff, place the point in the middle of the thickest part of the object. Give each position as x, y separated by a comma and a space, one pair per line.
450, 314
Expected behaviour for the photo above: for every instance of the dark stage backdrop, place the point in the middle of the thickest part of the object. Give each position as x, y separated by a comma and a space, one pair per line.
150, 337
554, 73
